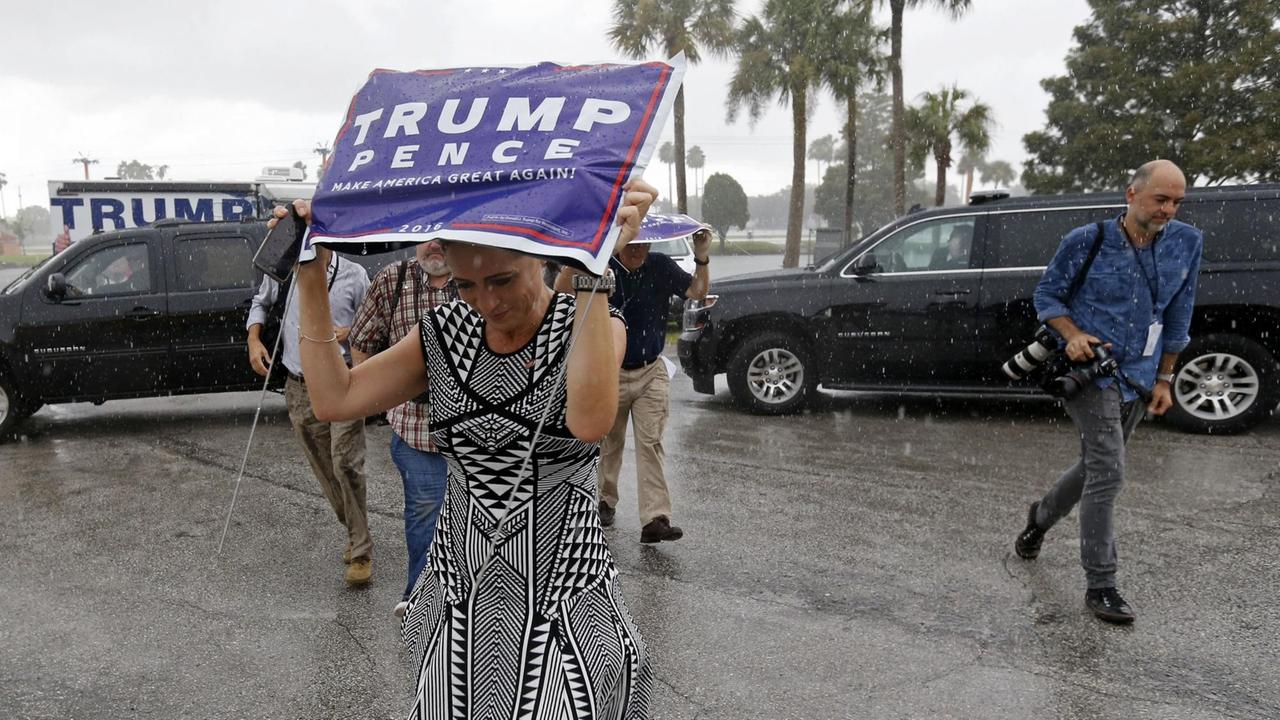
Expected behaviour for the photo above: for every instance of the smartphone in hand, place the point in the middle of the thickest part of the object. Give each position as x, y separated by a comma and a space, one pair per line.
281, 247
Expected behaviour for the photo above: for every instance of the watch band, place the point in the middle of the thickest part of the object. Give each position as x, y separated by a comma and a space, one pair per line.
696, 261
590, 283
1167, 377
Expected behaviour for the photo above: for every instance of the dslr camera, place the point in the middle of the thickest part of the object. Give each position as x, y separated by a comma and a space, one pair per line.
1044, 362
1069, 384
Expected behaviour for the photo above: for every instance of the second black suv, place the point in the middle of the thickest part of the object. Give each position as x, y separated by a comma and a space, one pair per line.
142, 312
934, 302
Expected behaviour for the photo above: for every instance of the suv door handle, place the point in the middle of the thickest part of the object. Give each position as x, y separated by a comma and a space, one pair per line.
951, 293
142, 312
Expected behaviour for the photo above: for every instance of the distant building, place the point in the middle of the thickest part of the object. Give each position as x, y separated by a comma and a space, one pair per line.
9, 244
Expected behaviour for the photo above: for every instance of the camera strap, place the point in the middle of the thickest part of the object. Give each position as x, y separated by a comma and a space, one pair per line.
1099, 236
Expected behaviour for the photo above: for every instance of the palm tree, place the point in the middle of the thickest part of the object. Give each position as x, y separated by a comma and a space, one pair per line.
667, 154
899, 134
966, 167
697, 160
674, 26
777, 59
855, 61
938, 119
822, 150
998, 173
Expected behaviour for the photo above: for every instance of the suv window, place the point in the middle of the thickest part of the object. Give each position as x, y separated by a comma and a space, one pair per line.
1029, 239
118, 270
941, 244
671, 248
1234, 232
213, 263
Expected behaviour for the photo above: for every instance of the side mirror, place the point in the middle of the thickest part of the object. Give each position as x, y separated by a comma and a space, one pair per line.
57, 286
865, 264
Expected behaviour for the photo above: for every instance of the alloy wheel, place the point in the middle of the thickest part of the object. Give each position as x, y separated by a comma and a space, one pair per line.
775, 375
1216, 386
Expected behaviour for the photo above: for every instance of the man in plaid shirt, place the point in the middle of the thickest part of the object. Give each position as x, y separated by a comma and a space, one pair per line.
398, 299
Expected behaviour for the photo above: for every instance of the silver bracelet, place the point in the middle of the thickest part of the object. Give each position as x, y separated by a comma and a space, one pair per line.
332, 339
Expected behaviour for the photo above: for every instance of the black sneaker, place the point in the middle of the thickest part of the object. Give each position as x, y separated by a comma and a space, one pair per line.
1107, 604
606, 514
658, 530
1027, 545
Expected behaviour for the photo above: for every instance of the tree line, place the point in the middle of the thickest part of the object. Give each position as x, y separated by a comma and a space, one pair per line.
1194, 82
787, 53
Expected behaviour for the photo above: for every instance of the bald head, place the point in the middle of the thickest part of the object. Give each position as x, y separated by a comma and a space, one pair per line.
1154, 195
1163, 170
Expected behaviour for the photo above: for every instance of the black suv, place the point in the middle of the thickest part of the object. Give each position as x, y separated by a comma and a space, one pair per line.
935, 301
143, 312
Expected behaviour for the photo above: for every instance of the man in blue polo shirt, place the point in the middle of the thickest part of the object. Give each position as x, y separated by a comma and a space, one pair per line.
1136, 300
645, 282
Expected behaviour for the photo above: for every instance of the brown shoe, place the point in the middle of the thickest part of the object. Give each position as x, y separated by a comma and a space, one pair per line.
606, 514
360, 571
658, 530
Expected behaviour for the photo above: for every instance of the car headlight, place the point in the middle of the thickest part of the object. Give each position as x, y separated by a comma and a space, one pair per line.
696, 311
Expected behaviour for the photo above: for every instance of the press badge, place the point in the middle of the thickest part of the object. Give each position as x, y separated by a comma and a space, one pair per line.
1153, 339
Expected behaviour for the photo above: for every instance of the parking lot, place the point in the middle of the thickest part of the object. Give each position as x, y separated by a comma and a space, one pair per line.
851, 562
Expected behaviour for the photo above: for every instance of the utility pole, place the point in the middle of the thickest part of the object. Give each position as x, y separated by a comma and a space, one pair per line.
4, 181
86, 161
323, 151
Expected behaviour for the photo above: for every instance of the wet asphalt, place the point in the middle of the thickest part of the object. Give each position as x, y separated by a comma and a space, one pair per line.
854, 561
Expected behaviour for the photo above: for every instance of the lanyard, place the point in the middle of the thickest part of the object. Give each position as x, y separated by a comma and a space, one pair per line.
1153, 281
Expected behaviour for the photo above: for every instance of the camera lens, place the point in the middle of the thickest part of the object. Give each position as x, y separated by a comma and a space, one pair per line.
1030, 357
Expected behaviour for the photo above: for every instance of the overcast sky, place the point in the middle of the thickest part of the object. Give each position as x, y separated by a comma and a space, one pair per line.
218, 90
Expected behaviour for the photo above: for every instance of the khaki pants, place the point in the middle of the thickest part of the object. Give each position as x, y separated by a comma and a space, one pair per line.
642, 396
336, 453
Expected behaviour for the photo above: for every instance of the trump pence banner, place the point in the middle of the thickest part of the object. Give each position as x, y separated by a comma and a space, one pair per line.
659, 228
531, 159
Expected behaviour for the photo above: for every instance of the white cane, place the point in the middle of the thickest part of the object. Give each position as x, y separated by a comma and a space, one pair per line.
275, 352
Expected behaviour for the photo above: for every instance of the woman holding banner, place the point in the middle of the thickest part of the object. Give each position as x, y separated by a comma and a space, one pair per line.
518, 612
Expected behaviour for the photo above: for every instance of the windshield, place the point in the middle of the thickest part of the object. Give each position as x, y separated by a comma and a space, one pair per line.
841, 256
22, 278
671, 248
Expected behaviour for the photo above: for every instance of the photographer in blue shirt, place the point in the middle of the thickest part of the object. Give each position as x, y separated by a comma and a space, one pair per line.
1134, 300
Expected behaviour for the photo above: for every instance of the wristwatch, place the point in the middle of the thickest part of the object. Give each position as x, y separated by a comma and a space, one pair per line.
696, 261
1167, 377
591, 283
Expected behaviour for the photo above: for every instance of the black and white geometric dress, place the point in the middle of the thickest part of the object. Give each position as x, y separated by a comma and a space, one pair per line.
542, 632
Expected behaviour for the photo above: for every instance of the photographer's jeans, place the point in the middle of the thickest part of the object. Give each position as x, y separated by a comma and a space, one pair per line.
425, 476
1105, 424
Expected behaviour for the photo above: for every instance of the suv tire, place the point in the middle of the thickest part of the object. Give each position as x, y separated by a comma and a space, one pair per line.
772, 373
1223, 384
13, 408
